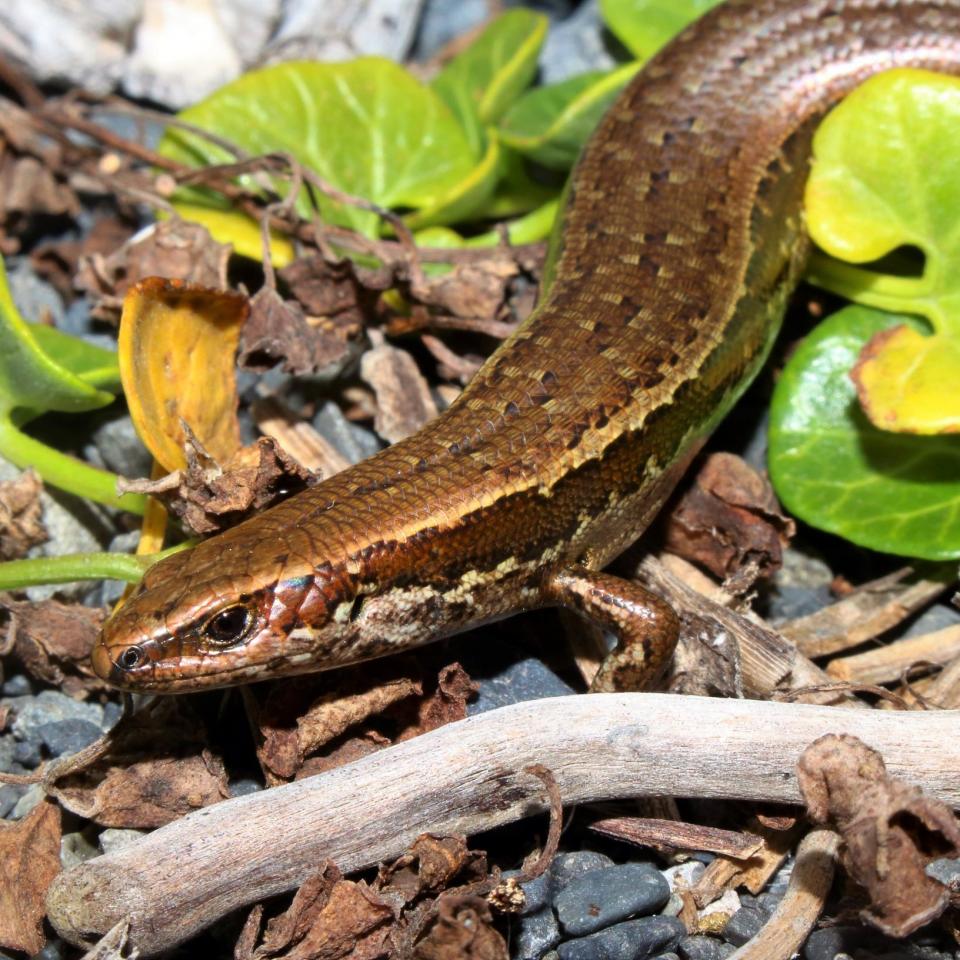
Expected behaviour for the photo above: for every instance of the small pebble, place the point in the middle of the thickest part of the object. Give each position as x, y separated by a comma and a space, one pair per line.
75, 848
682, 876
50, 706
68, 736
10, 793
352, 441
744, 925
28, 753
721, 910
33, 795
535, 933
120, 447
829, 942
53, 950
673, 906
705, 948
114, 838
7, 747
17, 686
244, 786
603, 897
634, 940
569, 866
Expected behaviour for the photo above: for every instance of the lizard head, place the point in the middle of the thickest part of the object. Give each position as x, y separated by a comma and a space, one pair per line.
199, 619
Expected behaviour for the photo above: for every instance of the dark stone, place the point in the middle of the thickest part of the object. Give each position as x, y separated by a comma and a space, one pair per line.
535, 934
704, 948
27, 752
634, 940
569, 866
67, 736
604, 897
243, 786
825, 944
528, 679
744, 925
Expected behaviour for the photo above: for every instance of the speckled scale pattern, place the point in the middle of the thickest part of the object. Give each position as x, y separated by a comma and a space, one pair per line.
681, 242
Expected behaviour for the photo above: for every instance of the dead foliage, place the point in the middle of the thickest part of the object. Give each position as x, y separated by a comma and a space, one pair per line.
173, 249
158, 768
315, 723
404, 403
21, 516
53, 641
29, 861
729, 522
891, 832
208, 497
421, 905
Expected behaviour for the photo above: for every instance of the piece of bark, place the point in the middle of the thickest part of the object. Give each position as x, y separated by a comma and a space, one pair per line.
29, 861
889, 662
797, 912
729, 521
297, 438
944, 691
891, 832
870, 610
665, 835
53, 641
759, 661
463, 930
599, 746
21, 516
404, 403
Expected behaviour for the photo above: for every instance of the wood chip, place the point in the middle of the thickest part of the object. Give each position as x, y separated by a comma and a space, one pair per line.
888, 663
870, 610
297, 437
672, 835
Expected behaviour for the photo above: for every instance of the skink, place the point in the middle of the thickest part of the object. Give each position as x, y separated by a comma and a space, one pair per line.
679, 245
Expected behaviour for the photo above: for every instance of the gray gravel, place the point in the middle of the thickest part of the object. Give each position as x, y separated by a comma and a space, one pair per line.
744, 925
604, 897
633, 940
704, 948
528, 679
535, 933
67, 736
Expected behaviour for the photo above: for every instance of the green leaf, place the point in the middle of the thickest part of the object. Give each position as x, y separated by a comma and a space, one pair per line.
644, 26
551, 124
45, 369
366, 126
891, 492
33, 379
885, 176
480, 83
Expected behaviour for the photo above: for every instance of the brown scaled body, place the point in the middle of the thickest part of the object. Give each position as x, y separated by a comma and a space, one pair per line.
681, 243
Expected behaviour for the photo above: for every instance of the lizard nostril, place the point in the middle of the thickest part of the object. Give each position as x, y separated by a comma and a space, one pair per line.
131, 657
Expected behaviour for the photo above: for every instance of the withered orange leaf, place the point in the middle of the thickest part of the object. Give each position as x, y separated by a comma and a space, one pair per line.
29, 861
891, 832
177, 347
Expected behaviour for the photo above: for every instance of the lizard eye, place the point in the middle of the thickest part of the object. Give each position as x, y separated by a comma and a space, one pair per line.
229, 625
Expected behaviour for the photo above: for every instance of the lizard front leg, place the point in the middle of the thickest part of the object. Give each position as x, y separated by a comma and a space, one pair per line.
645, 626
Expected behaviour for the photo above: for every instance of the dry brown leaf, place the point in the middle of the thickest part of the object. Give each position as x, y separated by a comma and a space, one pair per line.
28, 188
53, 641
209, 497
462, 931
291, 925
278, 331
891, 832
447, 704
174, 249
21, 516
156, 770
29, 861
404, 402
729, 522
472, 290
330, 290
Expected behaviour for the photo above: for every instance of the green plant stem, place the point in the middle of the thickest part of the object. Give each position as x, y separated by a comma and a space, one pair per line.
67, 473
16, 574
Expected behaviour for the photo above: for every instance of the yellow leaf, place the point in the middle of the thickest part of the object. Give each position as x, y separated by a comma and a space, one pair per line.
907, 381
176, 349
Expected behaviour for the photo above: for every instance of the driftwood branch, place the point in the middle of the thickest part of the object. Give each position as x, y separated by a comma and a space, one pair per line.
467, 777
